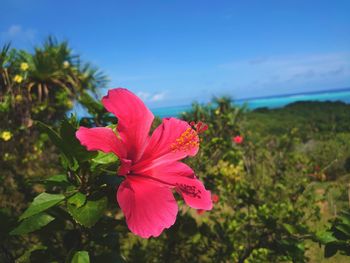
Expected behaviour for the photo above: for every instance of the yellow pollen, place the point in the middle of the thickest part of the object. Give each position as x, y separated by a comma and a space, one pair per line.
187, 141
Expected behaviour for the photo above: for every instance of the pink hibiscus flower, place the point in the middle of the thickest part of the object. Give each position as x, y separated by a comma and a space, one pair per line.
150, 164
215, 198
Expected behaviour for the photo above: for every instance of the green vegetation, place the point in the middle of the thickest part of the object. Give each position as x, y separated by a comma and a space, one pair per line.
277, 190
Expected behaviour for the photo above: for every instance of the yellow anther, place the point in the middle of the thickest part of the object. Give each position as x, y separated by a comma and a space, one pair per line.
187, 141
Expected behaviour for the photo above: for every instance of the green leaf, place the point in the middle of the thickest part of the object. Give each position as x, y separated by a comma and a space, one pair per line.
290, 229
94, 107
88, 214
325, 237
53, 135
71, 144
31, 224
81, 257
345, 218
105, 158
77, 199
330, 250
344, 229
57, 180
60, 144
41, 203
69, 163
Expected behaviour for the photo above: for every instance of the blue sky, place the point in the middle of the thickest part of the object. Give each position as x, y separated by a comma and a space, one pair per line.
174, 52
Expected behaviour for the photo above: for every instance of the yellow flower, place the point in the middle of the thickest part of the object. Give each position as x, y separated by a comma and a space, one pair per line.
69, 104
18, 78
66, 64
18, 98
24, 66
6, 135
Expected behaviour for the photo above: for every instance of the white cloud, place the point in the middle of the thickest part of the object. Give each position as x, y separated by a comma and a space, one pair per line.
290, 72
291, 65
151, 97
158, 97
14, 30
18, 33
143, 95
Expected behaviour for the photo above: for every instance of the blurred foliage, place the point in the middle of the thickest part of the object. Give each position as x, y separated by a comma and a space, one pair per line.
40, 85
337, 238
312, 119
58, 200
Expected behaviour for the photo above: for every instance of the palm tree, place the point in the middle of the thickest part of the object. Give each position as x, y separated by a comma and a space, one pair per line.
4, 58
44, 84
53, 68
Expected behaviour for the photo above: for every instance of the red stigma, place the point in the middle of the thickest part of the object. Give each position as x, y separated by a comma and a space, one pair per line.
200, 127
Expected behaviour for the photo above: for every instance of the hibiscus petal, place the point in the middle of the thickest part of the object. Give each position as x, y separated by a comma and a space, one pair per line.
134, 119
194, 193
148, 207
182, 178
102, 139
173, 140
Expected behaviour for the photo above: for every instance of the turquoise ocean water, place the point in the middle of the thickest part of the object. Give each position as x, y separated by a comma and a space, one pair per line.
269, 102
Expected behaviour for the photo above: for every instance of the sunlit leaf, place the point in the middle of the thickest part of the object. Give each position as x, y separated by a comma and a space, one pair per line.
32, 223
105, 158
325, 237
41, 203
291, 229
77, 200
57, 180
88, 214
81, 257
